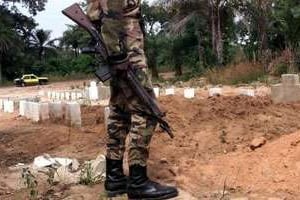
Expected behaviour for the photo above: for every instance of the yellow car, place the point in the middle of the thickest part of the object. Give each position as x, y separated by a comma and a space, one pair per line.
30, 79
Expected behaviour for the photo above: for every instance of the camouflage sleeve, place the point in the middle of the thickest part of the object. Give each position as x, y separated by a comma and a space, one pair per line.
94, 9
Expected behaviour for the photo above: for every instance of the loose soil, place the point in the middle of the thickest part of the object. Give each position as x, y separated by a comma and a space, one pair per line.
210, 156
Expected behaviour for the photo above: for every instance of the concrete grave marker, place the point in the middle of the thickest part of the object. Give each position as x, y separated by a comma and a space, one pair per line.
214, 91
79, 95
170, 91
57, 95
73, 96
67, 96
73, 114
156, 91
189, 93
62, 96
93, 91
1, 104
52, 95
35, 111
247, 92
104, 92
44, 111
56, 111
49, 94
22, 107
8, 106
288, 91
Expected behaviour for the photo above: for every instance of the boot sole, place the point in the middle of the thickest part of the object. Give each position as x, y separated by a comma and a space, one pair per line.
115, 193
168, 196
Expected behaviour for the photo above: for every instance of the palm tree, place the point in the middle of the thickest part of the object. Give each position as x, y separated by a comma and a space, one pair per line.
209, 13
7, 42
42, 42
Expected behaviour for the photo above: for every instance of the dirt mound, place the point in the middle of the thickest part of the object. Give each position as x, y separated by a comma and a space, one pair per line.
212, 143
210, 151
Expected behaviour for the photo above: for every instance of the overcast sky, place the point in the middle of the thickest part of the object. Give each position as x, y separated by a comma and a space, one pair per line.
52, 18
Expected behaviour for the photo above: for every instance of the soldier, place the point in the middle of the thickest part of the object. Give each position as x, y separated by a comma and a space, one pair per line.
120, 27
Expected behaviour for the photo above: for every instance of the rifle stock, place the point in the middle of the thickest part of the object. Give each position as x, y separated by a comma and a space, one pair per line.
75, 13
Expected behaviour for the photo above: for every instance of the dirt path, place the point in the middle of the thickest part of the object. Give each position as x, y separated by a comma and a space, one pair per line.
13, 91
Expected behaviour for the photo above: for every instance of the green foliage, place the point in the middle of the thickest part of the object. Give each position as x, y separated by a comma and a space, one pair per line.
33, 5
179, 35
30, 183
235, 74
281, 68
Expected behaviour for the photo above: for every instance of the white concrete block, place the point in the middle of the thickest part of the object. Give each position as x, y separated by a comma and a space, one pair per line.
73, 114
79, 95
170, 91
156, 92
247, 92
22, 105
35, 111
104, 93
93, 84
44, 111
93, 93
73, 96
52, 95
290, 79
189, 93
56, 111
67, 95
27, 111
62, 96
215, 91
8, 106
1, 104
49, 94
57, 95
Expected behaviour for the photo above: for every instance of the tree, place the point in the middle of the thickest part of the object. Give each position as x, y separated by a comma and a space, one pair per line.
74, 38
154, 18
33, 6
42, 42
7, 41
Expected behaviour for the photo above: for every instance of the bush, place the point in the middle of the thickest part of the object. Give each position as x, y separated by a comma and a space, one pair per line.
235, 74
280, 68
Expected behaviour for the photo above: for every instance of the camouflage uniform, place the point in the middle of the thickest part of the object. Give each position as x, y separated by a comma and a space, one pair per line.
121, 30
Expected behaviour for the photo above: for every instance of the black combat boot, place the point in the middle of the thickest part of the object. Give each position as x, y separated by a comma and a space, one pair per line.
116, 182
141, 188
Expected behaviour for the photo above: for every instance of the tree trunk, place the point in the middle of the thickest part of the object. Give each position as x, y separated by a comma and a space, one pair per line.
219, 41
200, 50
213, 27
1, 72
41, 53
154, 70
216, 31
152, 63
177, 64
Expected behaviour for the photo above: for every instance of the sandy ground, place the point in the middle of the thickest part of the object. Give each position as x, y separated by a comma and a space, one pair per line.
34, 90
209, 158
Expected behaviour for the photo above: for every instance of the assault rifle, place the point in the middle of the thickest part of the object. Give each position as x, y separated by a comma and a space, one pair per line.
76, 14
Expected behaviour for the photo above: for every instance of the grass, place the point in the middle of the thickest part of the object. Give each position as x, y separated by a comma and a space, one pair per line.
30, 183
236, 74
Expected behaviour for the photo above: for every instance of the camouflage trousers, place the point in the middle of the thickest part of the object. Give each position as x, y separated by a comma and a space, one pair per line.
122, 32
